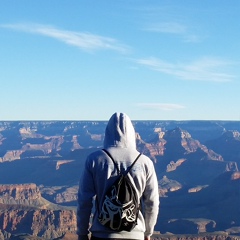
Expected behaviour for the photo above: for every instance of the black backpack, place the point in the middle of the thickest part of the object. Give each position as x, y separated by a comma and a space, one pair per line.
121, 204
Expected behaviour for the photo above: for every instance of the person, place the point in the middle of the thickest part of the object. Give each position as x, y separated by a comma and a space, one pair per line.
99, 173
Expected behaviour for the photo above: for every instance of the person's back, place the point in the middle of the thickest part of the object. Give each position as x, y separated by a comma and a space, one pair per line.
100, 173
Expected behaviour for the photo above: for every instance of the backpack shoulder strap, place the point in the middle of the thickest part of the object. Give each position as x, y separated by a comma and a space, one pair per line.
128, 170
132, 164
115, 164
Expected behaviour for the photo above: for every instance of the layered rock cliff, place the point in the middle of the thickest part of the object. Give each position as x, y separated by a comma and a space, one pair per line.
25, 194
179, 142
228, 145
23, 210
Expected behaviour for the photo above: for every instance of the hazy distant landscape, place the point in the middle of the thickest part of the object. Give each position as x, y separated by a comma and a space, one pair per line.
197, 164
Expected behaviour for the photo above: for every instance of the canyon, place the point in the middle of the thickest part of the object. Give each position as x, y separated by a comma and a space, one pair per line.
197, 165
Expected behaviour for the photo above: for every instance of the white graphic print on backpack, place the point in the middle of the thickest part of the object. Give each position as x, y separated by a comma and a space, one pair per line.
121, 204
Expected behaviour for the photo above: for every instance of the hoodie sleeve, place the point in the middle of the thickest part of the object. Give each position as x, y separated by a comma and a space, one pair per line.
86, 193
151, 201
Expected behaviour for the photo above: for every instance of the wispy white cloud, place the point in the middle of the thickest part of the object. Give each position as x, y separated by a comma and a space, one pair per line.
176, 29
161, 106
168, 27
82, 40
205, 69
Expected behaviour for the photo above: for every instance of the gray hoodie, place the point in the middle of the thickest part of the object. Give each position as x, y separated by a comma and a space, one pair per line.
100, 173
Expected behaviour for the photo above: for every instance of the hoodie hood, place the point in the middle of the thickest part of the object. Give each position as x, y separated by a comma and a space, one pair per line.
120, 132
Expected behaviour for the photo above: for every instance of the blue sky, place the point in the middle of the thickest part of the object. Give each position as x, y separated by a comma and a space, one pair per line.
85, 60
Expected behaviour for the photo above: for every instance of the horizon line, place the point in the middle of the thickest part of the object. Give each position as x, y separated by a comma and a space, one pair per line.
103, 120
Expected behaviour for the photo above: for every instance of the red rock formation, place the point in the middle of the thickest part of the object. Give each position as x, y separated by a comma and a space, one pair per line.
19, 194
235, 176
46, 223
69, 195
61, 162
11, 155
23, 210
48, 147
154, 148
76, 145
